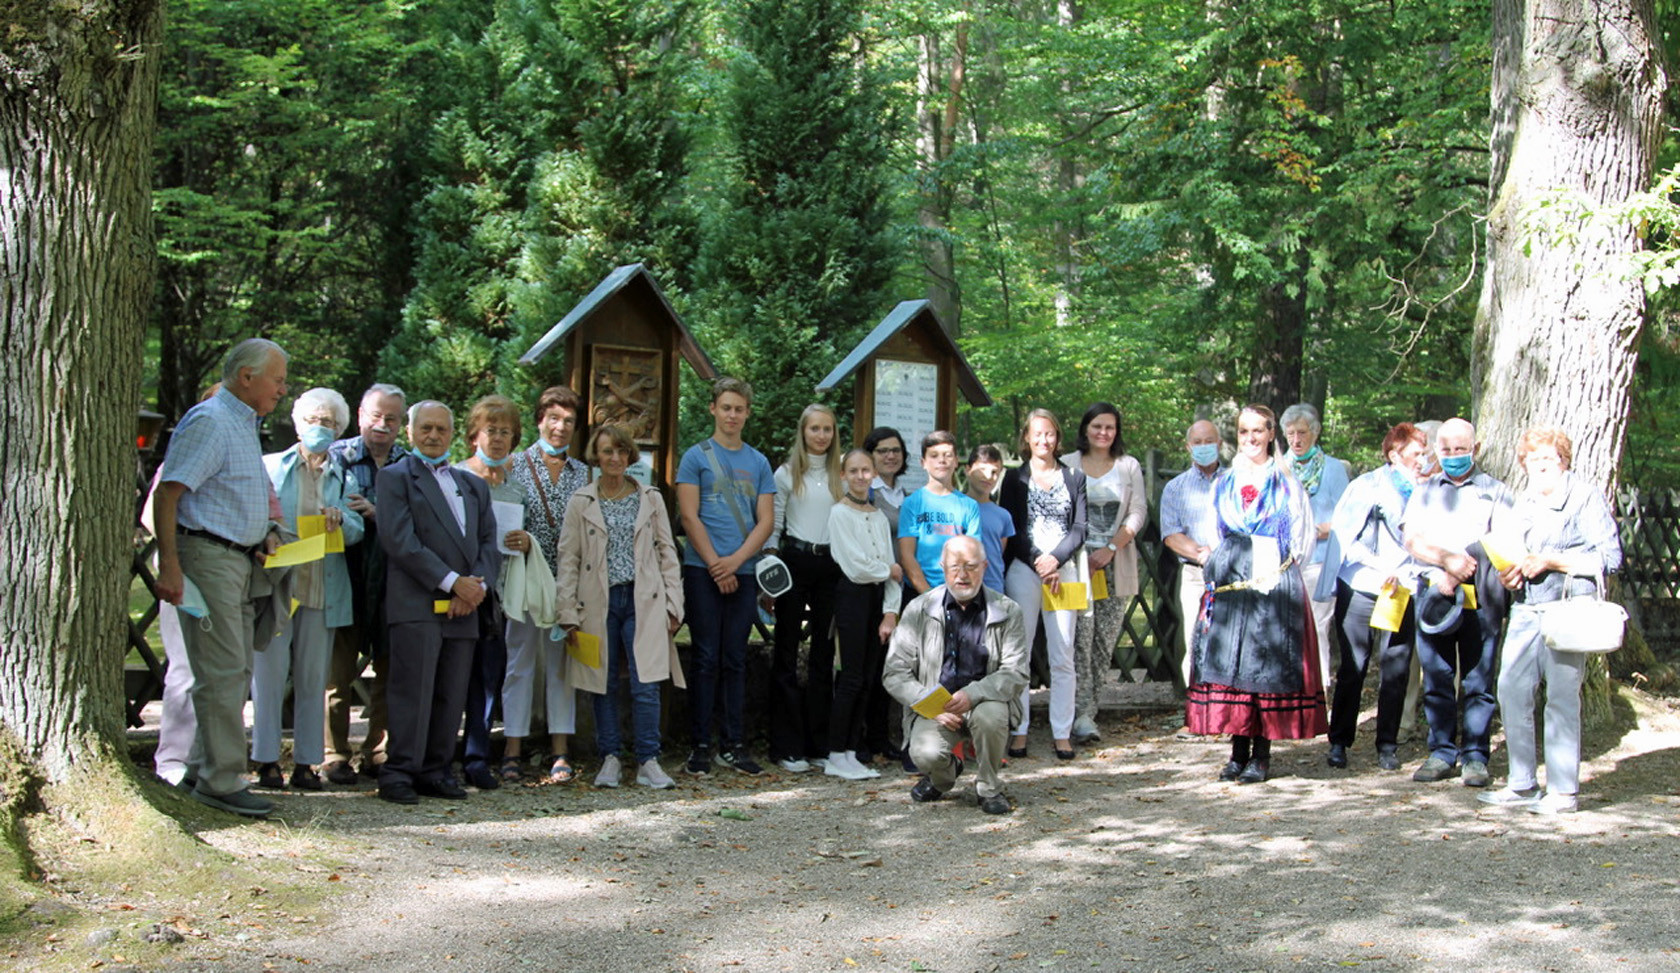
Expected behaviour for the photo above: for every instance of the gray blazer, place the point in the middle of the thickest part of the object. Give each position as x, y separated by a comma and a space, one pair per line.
422, 544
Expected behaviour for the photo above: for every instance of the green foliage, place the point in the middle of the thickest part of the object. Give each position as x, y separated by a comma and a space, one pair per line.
798, 253
559, 156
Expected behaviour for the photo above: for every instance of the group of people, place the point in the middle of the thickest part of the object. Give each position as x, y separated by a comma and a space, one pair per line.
519, 578
1427, 554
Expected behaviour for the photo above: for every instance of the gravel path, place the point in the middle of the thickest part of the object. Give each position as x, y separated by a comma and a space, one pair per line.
1129, 858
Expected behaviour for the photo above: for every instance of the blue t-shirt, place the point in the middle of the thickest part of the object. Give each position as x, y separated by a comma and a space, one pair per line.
995, 525
753, 478
933, 520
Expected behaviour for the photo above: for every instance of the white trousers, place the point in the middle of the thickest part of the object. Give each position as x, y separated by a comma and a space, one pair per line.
302, 653
1323, 613
1524, 663
1021, 583
530, 651
1190, 590
176, 724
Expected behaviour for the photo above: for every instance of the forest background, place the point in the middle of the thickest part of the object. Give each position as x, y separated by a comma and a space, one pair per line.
1173, 206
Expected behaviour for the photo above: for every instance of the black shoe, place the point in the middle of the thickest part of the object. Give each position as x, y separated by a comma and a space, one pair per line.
481, 777
738, 760
341, 773
1337, 756
398, 792
269, 776
1066, 754
996, 804
1017, 753
369, 769
1255, 771
924, 792
699, 762
1231, 771
304, 778
1388, 760
444, 787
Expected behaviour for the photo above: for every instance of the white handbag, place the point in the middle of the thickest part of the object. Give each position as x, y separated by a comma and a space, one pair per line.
1585, 623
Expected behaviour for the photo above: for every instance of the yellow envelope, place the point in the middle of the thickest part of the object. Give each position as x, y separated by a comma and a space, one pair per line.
440, 607
295, 604
1389, 613
310, 525
931, 705
298, 552
1504, 551
1469, 596
1099, 586
585, 648
1074, 596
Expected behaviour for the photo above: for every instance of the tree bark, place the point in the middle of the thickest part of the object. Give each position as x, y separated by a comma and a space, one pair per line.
1577, 93
939, 91
1578, 89
78, 87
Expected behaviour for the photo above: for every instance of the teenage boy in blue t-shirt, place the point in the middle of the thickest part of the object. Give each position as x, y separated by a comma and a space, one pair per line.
933, 515
719, 588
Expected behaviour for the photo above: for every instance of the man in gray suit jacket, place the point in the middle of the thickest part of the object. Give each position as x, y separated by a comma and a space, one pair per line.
439, 536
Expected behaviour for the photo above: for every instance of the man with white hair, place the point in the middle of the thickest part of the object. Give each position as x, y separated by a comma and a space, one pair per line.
361, 458
439, 537
1460, 603
1190, 526
968, 646
215, 517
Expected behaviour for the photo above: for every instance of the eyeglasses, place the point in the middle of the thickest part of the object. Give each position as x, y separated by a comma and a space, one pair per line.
890, 450
965, 567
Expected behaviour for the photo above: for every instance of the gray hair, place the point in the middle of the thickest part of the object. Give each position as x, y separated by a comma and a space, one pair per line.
414, 410
381, 388
1301, 412
315, 398
250, 353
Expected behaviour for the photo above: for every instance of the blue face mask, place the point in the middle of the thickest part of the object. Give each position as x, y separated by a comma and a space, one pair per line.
1205, 454
551, 450
1457, 466
433, 460
484, 458
316, 439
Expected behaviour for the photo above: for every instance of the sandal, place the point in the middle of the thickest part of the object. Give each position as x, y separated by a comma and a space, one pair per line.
512, 769
560, 771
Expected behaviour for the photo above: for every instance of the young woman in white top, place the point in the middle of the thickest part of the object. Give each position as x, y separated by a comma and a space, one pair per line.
1116, 509
807, 486
866, 604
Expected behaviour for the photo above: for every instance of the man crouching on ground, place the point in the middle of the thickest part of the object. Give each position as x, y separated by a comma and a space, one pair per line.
970, 642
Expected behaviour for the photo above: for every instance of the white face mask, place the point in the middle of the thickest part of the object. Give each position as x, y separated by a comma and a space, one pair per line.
193, 603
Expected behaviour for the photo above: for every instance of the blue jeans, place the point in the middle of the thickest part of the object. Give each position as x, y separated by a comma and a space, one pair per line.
719, 625
644, 696
484, 685
1468, 652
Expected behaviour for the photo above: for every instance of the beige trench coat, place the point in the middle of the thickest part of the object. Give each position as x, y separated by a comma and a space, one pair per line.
581, 580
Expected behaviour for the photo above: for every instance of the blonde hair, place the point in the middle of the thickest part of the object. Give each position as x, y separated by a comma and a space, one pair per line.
1539, 437
798, 464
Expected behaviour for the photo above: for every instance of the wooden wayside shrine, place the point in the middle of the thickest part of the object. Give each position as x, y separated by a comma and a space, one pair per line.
620, 349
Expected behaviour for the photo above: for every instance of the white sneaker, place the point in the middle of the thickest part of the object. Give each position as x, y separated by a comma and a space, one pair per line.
868, 771
610, 772
650, 774
1506, 797
839, 766
1553, 803
794, 765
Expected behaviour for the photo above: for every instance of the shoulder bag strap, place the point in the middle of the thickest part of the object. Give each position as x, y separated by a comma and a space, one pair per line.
542, 490
726, 486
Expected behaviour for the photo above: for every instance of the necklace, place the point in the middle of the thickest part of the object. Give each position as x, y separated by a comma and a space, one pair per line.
864, 502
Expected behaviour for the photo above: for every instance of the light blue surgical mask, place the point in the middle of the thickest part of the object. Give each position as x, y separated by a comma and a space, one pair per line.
551, 450
484, 458
1205, 454
1457, 466
433, 460
316, 439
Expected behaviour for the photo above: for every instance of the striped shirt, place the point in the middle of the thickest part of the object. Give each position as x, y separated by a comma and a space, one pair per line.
216, 455
1187, 507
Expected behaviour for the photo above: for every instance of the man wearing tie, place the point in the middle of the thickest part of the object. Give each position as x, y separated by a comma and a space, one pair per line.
439, 537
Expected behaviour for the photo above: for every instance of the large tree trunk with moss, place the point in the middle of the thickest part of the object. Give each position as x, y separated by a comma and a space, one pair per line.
78, 87
1577, 112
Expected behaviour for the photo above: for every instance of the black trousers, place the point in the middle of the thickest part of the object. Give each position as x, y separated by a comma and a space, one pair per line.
1359, 642
799, 714
857, 621
425, 697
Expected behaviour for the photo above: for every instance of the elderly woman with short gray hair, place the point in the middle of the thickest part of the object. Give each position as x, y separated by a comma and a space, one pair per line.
308, 485
1325, 479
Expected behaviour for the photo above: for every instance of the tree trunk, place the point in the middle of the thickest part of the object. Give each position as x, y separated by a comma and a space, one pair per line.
1578, 91
78, 100
939, 89
1577, 112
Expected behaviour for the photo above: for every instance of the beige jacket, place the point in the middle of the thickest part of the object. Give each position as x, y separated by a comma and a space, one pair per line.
918, 650
581, 580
